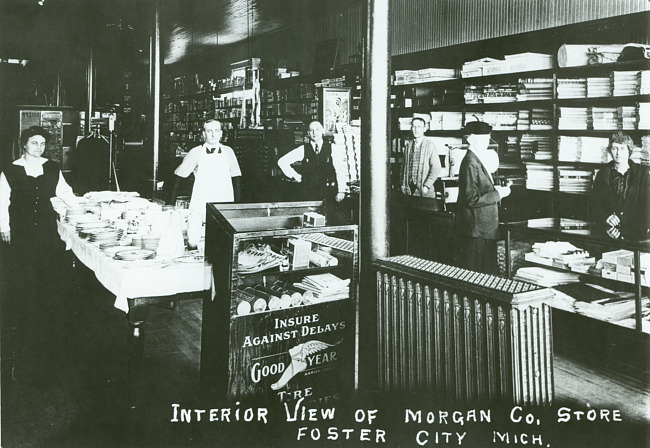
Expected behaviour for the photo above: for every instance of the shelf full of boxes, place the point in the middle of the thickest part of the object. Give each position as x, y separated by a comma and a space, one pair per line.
551, 120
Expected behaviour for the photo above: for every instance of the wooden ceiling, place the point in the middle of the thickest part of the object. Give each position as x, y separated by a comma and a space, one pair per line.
57, 37
64, 28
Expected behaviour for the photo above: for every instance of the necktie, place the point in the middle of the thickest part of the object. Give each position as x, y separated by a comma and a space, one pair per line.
209, 150
316, 148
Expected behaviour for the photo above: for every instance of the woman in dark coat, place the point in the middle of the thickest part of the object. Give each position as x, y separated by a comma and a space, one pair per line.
477, 214
621, 193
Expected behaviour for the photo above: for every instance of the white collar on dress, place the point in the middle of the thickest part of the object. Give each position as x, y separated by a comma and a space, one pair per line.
31, 170
22, 162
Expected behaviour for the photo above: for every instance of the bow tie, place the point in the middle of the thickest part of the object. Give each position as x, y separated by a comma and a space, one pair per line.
211, 150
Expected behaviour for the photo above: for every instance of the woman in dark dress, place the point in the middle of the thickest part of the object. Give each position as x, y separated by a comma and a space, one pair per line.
33, 252
477, 214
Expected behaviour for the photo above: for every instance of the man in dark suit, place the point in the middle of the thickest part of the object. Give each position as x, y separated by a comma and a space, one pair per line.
319, 177
477, 215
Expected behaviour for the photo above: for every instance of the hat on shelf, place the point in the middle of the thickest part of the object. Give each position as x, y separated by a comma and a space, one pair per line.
477, 127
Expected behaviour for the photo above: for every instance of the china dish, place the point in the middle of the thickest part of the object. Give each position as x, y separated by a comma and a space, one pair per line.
135, 254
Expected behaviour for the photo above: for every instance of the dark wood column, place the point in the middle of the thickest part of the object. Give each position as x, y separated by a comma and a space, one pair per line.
155, 65
375, 165
90, 88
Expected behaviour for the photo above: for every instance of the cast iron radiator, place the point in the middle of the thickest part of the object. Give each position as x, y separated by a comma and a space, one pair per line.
462, 335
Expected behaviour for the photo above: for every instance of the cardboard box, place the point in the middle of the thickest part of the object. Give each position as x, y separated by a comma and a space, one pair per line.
623, 270
627, 278
606, 273
494, 68
523, 62
473, 73
300, 253
609, 266
645, 260
625, 260
405, 76
612, 256
311, 219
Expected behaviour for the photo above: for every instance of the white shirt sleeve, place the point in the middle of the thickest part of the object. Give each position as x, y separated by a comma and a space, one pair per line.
289, 159
189, 163
234, 165
64, 192
5, 200
339, 160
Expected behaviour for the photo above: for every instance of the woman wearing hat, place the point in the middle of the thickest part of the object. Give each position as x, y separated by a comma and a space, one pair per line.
477, 214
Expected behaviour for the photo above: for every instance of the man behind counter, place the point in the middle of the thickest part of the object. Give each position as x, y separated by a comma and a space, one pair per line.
216, 176
621, 193
318, 177
421, 163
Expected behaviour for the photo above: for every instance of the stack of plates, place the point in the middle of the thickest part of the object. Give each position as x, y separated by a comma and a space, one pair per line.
107, 245
136, 241
106, 235
150, 242
74, 213
84, 217
135, 254
85, 228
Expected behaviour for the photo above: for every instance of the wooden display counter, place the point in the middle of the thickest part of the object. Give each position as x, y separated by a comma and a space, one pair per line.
422, 228
265, 339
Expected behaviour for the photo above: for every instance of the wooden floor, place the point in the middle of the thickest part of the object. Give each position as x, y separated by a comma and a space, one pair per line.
65, 386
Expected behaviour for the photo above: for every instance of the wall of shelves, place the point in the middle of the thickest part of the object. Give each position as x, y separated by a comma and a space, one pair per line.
287, 105
530, 151
532, 133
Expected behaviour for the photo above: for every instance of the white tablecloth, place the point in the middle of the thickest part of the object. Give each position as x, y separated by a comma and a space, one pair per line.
146, 278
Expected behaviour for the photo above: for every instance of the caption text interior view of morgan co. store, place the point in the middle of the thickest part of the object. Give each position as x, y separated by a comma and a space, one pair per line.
352, 223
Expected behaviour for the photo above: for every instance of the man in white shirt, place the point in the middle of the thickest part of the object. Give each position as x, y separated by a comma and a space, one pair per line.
216, 176
319, 177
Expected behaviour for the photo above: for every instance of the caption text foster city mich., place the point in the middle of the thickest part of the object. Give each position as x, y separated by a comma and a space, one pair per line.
440, 427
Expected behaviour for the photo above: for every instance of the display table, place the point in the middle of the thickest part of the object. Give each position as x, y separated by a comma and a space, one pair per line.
129, 279
137, 284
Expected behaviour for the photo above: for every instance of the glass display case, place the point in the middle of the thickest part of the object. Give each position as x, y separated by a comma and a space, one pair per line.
281, 323
609, 276
601, 310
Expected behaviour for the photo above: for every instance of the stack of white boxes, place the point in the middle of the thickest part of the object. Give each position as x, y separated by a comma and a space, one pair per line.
619, 265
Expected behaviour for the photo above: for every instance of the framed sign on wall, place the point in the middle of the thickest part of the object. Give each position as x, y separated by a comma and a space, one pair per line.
334, 108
